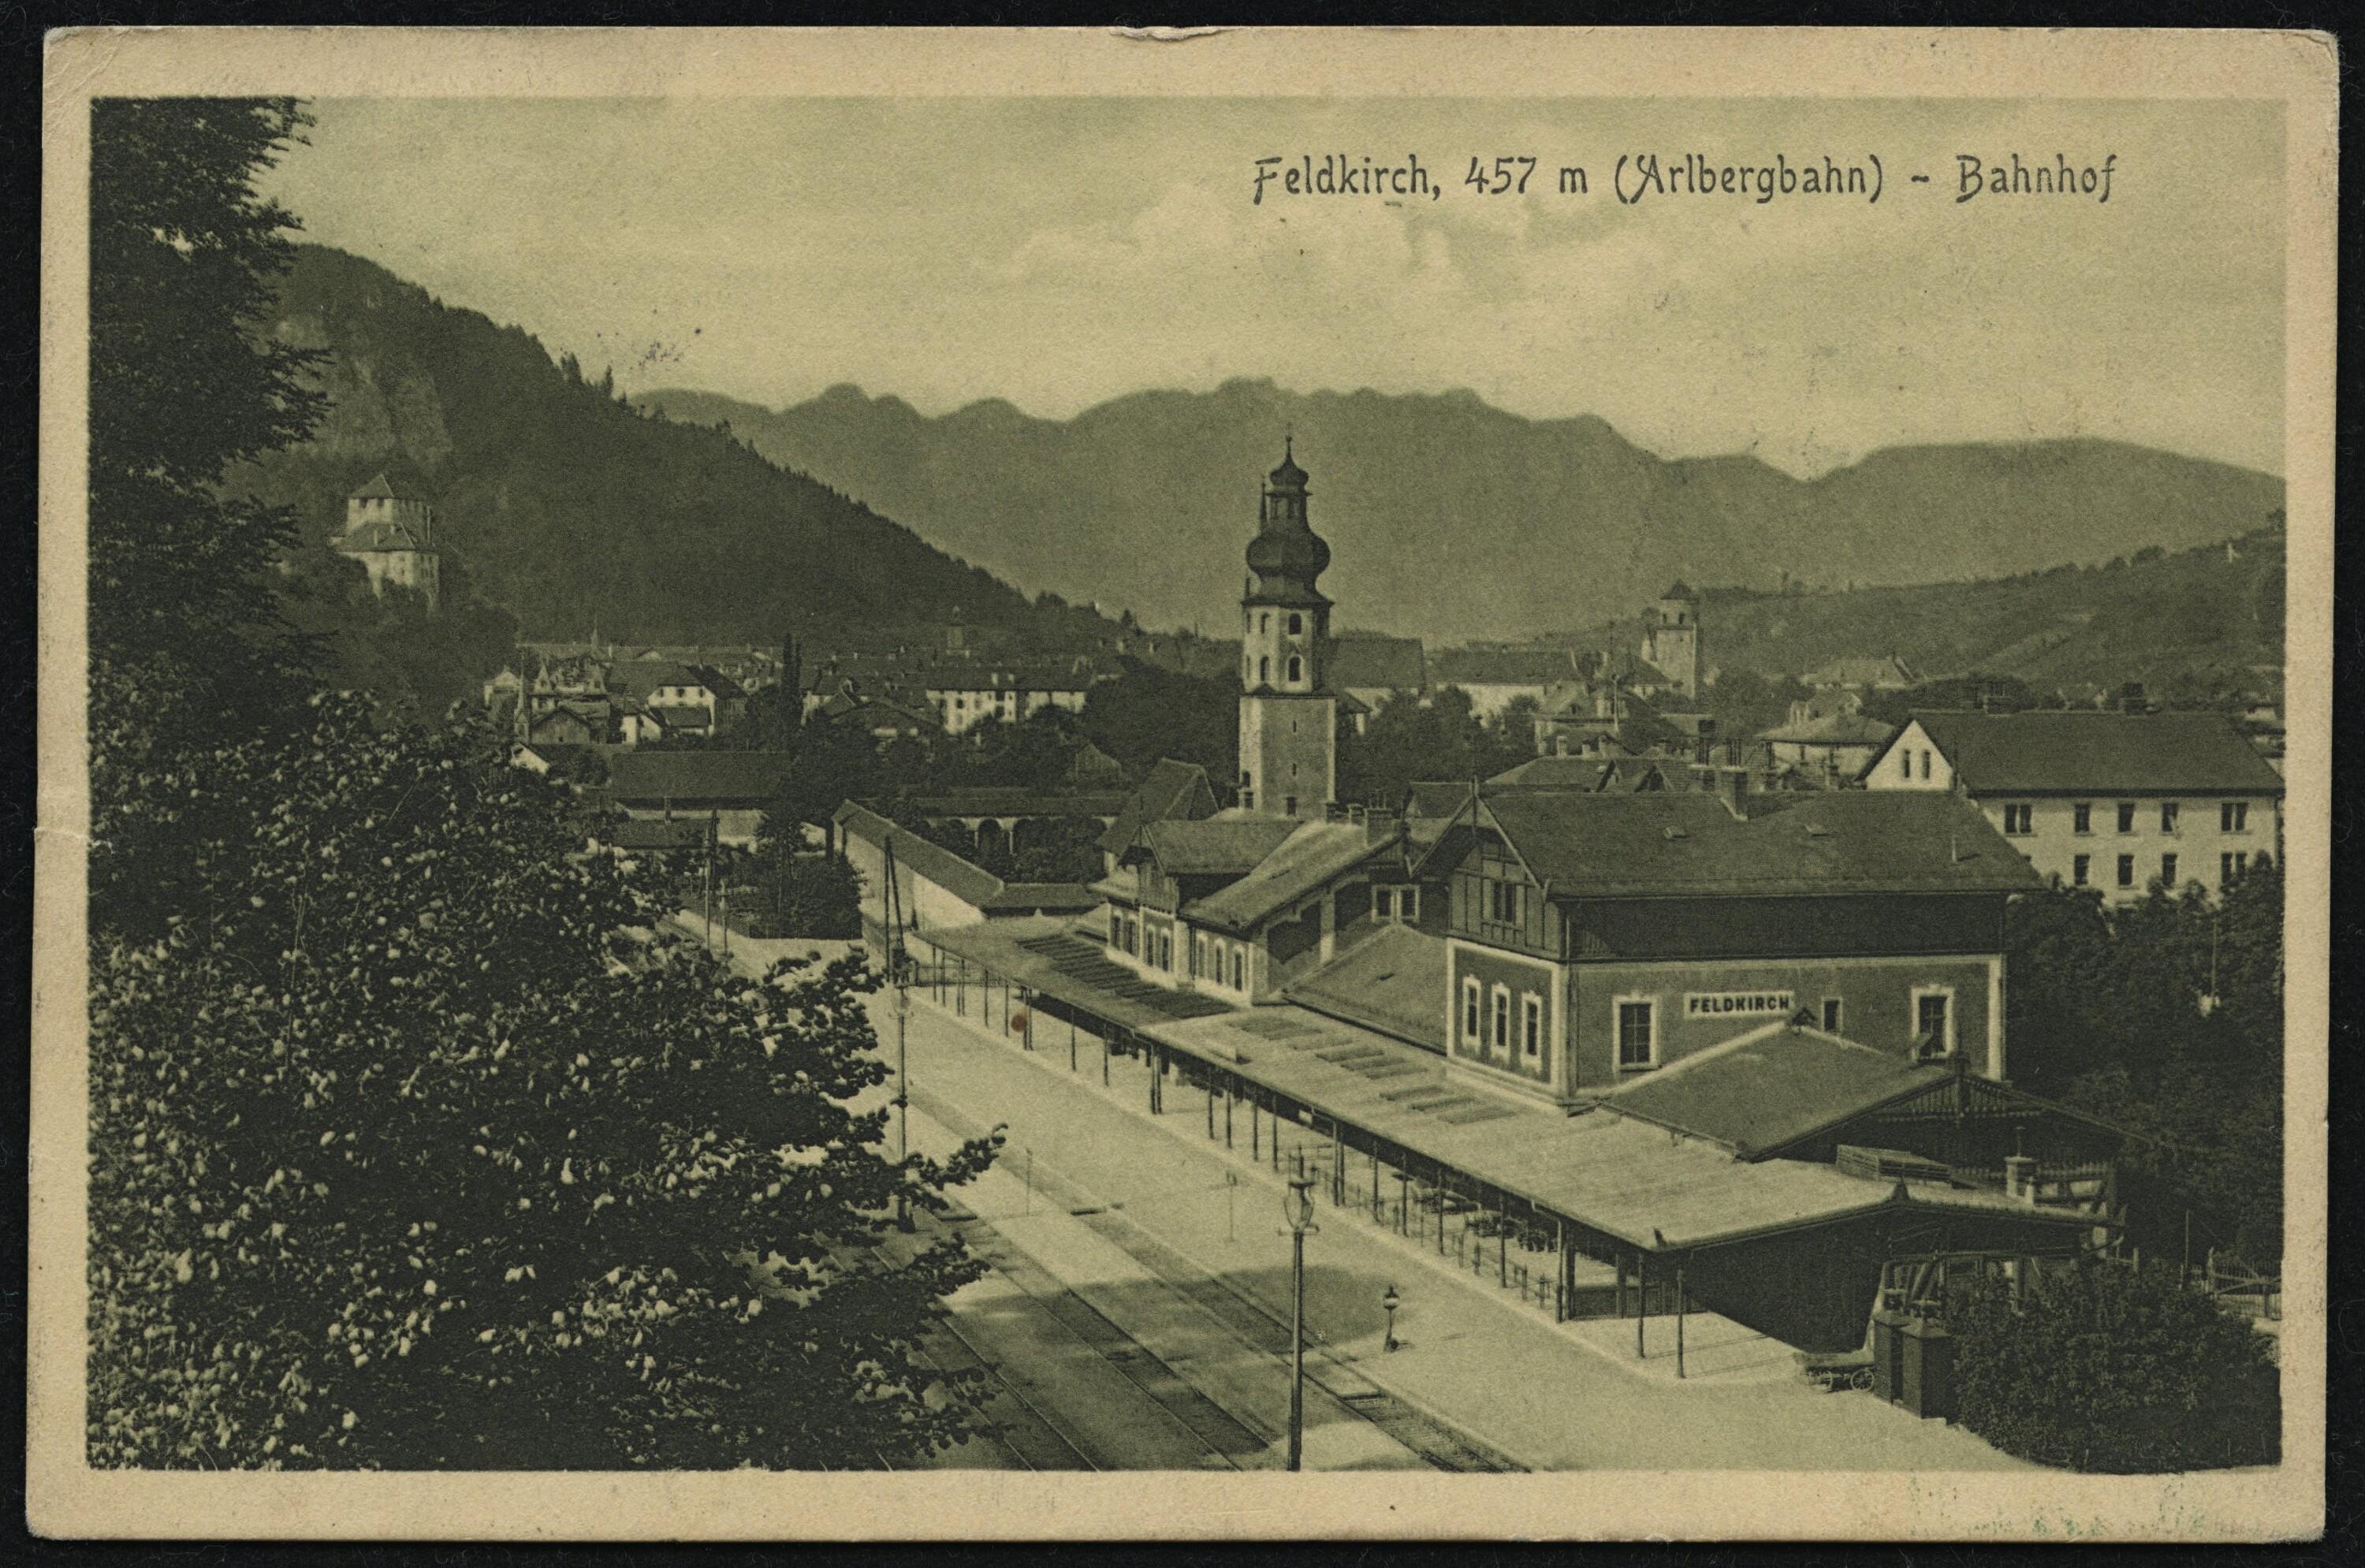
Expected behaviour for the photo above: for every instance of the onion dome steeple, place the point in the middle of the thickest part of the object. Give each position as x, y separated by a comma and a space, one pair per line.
1286, 555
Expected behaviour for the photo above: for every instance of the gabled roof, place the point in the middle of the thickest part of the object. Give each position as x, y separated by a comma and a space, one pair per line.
1392, 980
377, 489
1772, 1088
1372, 662
1219, 845
1691, 844
1435, 798
2099, 752
727, 779
1172, 790
1305, 861
1863, 669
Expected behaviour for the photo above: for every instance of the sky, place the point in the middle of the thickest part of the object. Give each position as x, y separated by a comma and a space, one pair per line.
1060, 252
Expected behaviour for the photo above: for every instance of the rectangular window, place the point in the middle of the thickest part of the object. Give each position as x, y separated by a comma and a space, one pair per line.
2081, 817
1469, 1011
1502, 1039
2233, 816
1830, 1015
2167, 872
2126, 870
2231, 865
1239, 981
1384, 903
1904, 762
1503, 902
1637, 1033
2018, 818
1532, 1027
2080, 867
2169, 811
1925, 765
1934, 1020
2127, 816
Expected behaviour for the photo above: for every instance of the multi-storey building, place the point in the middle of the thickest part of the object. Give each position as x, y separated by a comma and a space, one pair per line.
392, 537
1289, 715
2122, 802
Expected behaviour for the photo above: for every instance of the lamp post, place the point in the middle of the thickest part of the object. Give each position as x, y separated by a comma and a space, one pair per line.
1388, 1304
903, 1102
1298, 1209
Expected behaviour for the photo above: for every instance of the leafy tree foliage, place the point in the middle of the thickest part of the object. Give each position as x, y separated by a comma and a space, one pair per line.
1408, 741
405, 1155
184, 258
2167, 1015
1149, 711
2103, 1366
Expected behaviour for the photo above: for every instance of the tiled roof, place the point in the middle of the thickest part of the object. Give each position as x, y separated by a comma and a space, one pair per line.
1774, 1086
971, 883
2074, 753
1435, 798
1214, 847
1304, 861
1771, 1088
655, 833
1172, 790
1500, 666
380, 534
743, 779
1609, 846
1833, 729
639, 678
988, 802
1376, 663
1393, 981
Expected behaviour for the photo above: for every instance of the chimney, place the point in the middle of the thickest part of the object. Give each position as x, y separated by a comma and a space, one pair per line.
2019, 1179
1733, 789
1379, 823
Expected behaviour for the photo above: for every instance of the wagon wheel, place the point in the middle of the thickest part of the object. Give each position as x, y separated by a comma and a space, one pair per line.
1861, 1378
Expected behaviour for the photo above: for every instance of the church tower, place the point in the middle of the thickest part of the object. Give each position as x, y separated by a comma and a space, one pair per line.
1289, 765
1671, 638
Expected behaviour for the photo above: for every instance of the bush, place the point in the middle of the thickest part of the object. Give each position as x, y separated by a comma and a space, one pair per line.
2106, 1368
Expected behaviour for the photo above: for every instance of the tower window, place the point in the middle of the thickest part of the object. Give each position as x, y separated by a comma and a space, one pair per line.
1264, 668
1296, 667
1297, 624
1264, 621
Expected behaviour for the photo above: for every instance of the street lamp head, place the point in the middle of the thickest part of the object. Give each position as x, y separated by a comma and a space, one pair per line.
1297, 1206
1391, 1301
902, 1001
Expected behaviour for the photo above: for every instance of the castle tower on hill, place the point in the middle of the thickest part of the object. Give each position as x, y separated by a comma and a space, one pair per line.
1289, 765
391, 536
1671, 638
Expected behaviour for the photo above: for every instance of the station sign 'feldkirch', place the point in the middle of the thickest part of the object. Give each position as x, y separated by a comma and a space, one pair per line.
1735, 1003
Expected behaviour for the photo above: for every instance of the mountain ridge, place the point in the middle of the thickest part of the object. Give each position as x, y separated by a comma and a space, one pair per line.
1548, 523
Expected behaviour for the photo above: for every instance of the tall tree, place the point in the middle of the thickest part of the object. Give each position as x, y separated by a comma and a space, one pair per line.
406, 1153
184, 640
183, 256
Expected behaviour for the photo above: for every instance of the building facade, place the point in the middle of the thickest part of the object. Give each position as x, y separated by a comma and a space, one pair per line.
2120, 803
1289, 717
392, 537
1594, 938
1671, 639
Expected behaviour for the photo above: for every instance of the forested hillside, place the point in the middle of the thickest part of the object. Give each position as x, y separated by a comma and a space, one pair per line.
2192, 626
558, 505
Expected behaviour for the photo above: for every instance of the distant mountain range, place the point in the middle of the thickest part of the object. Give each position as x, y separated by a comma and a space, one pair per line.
1452, 519
560, 504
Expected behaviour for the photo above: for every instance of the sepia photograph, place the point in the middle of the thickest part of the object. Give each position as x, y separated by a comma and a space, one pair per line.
827, 785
